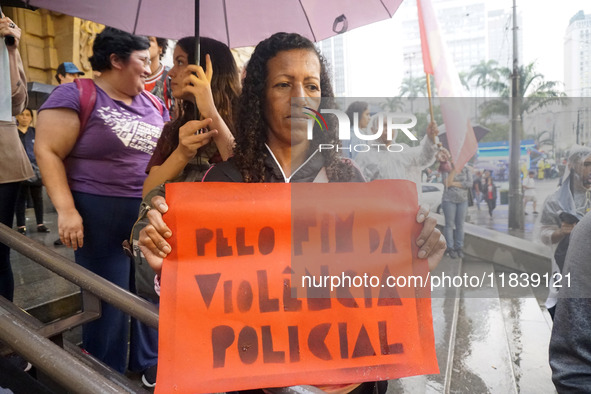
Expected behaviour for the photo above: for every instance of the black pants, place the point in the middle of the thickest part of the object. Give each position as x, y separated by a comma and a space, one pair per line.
8, 193
36, 193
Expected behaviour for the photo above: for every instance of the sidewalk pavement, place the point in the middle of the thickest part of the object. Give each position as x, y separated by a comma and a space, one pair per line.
500, 219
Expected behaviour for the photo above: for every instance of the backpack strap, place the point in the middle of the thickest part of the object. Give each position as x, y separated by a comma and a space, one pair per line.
154, 101
87, 91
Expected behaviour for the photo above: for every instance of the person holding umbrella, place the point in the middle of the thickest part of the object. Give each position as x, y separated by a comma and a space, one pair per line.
201, 134
283, 67
186, 149
94, 173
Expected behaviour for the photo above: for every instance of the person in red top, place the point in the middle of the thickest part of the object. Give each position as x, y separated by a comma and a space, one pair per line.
157, 83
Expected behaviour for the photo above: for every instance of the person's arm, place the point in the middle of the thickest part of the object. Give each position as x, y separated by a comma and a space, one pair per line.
450, 179
424, 155
189, 143
57, 132
559, 233
198, 83
570, 347
18, 80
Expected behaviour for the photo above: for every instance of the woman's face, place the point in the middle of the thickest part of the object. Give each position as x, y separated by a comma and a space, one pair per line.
24, 118
364, 120
178, 72
136, 70
583, 172
291, 74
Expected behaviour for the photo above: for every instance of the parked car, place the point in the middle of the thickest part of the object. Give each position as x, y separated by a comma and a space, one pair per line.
432, 193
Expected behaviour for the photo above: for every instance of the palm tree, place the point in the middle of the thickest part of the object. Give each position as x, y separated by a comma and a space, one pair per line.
413, 87
484, 72
535, 91
393, 104
464, 80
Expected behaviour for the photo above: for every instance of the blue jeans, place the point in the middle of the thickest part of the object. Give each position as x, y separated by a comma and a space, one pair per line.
107, 222
455, 215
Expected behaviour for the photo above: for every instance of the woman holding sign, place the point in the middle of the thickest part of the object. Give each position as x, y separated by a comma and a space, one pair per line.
285, 75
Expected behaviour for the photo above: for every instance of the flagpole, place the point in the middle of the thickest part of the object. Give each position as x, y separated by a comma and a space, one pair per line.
429, 95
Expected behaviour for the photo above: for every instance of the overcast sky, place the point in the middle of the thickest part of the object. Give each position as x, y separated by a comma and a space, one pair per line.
380, 60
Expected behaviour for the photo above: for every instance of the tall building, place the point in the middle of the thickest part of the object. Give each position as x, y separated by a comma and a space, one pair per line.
577, 56
500, 37
333, 49
471, 31
577, 73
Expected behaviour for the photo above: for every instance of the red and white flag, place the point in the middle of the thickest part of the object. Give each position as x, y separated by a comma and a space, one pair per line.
460, 135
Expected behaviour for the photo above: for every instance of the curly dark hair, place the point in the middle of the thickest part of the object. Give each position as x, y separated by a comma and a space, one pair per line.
115, 41
162, 43
252, 127
225, 88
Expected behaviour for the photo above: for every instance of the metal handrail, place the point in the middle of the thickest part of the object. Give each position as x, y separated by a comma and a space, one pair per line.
42, 352
102, 288
53, 360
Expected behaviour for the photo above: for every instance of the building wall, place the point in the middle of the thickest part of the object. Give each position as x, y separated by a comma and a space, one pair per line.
50, 38
577, 56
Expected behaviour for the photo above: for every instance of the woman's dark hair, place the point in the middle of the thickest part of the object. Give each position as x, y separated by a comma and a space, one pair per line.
356, 107
225, 88
115, 41
251, 130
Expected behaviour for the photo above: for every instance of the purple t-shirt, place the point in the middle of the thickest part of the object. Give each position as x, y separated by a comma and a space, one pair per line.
111, 154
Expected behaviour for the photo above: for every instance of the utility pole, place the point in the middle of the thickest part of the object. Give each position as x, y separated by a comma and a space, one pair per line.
515, 197
578, 126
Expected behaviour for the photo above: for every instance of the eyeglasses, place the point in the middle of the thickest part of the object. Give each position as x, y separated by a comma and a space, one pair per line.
144, 59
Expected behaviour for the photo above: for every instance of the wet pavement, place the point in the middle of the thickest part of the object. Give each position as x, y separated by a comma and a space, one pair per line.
500, 219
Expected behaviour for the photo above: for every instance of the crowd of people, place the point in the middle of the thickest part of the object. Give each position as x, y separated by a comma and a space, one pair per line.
103, 148
103, 144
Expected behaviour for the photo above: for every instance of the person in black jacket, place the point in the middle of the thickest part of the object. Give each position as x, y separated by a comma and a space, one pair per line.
284, 75
570, 344
33, 187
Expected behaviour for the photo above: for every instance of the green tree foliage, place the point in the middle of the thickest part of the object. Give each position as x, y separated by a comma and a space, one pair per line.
535, 91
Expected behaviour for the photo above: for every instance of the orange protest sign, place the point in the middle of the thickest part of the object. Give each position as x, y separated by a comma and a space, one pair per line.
249, 295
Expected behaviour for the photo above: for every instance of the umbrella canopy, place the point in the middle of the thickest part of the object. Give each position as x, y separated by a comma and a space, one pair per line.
479, 132
238, 23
